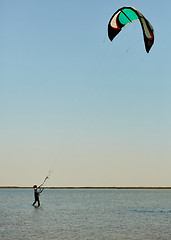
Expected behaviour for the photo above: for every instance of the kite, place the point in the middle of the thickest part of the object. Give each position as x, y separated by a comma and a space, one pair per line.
126, 15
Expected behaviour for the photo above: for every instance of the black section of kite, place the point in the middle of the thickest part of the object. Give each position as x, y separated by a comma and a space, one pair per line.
126, 15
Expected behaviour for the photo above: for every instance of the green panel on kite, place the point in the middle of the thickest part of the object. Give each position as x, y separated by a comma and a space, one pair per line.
126, 16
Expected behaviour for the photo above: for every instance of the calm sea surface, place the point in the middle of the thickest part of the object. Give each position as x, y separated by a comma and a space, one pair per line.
86, 214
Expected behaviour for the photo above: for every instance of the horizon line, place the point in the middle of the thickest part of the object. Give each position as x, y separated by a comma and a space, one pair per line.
84, 187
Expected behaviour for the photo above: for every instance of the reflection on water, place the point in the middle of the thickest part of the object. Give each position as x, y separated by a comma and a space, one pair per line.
151, 211
86, 214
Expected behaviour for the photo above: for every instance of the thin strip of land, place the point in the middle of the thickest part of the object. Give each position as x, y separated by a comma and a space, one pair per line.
18, 187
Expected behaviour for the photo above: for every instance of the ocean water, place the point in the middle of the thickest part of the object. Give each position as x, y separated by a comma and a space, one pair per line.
86, 214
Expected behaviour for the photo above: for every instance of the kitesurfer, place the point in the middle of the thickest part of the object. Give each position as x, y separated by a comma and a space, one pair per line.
37, 191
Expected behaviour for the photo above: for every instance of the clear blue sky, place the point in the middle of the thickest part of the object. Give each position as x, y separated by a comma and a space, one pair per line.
94, 112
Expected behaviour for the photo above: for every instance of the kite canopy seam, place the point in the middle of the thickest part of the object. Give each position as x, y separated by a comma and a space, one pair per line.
126, 15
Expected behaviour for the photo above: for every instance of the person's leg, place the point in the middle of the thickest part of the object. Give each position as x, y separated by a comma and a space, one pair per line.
38, 202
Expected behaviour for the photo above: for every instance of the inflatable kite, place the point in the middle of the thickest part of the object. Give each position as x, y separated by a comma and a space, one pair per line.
126, 15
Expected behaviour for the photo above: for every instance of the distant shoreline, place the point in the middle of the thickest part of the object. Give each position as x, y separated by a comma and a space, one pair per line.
18, 187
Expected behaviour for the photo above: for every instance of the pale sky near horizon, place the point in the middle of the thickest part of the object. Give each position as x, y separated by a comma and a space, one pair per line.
94, 112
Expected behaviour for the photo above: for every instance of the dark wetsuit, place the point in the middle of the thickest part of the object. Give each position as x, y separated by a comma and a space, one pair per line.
36, 195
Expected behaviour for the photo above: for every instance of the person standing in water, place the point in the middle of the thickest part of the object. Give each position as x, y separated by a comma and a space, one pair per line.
37, 191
